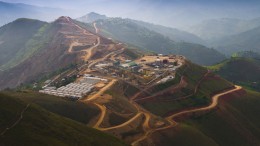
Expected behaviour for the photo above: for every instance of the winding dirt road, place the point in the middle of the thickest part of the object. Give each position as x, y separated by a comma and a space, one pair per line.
102, 115
213, 104
100, 92
90, 50
76, 43
96, 29
170, 119
124, 124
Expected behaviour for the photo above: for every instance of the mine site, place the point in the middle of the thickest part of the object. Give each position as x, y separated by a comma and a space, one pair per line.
129, 73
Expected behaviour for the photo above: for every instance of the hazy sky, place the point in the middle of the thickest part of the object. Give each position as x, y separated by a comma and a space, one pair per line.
176, 13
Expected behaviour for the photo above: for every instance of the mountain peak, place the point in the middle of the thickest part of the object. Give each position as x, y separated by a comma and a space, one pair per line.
91, 17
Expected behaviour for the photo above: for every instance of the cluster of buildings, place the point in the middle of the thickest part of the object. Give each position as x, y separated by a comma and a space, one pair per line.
75, 90
167, 78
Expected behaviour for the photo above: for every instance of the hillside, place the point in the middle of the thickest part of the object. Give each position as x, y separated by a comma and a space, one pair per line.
47, 49
241, 71
91, 17
76, 111
172, 33
234, 122
17, 41
38, 126
192, 87
131, 33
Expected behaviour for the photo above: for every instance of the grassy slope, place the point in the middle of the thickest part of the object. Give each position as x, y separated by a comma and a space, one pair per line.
182, 135
234, 122
40, 127
241, 71
119, 103
77, 111
193, 73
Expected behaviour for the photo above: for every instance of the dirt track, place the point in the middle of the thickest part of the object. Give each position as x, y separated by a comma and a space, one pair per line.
102, 115
16, 122
100, 92
170, 119
122, 125
213, 104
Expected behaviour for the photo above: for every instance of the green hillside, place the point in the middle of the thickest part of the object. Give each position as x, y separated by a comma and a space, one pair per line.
234, 122
77, 111
41, 127
18, 41
42, 53
243, 71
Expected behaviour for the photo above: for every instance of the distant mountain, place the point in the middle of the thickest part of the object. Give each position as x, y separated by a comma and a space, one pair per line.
91, 17
245, 41
125, 30
243, 71
12, 11
172, 33
218, 28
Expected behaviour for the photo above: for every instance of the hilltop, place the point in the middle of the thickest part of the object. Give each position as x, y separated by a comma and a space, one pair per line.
91, 17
